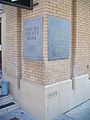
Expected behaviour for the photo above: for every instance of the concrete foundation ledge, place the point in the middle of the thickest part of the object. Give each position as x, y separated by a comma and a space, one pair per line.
48, 102
33, 99
61, 97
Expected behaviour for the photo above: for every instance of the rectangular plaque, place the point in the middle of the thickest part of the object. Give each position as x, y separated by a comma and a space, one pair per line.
59, 38
33, 44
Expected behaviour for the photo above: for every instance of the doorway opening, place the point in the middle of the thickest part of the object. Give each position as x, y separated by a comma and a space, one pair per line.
0, 47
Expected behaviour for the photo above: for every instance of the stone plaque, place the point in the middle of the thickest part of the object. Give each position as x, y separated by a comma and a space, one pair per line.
58, 38
33, 44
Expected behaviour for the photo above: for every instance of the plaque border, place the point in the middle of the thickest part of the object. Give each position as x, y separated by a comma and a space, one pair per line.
34, 59
57, 59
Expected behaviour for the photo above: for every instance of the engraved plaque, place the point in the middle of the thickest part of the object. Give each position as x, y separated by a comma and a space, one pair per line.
33, 44
58, 38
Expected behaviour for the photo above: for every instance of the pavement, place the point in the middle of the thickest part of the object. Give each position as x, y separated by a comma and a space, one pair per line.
18, 114
81, 112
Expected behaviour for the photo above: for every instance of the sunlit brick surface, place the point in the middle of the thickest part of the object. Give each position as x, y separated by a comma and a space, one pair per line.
47, 72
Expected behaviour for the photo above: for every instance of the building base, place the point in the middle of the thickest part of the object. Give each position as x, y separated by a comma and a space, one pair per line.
48, 102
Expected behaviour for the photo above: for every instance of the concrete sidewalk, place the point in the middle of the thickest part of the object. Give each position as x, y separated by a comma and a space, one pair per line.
81, 112
17, 114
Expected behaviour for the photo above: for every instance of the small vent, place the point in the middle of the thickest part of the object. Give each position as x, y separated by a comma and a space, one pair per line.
7, 105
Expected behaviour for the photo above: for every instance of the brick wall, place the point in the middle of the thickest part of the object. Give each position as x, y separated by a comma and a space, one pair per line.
82, 59
13, 42
59, 70
33, 70
46, 72
78, 13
